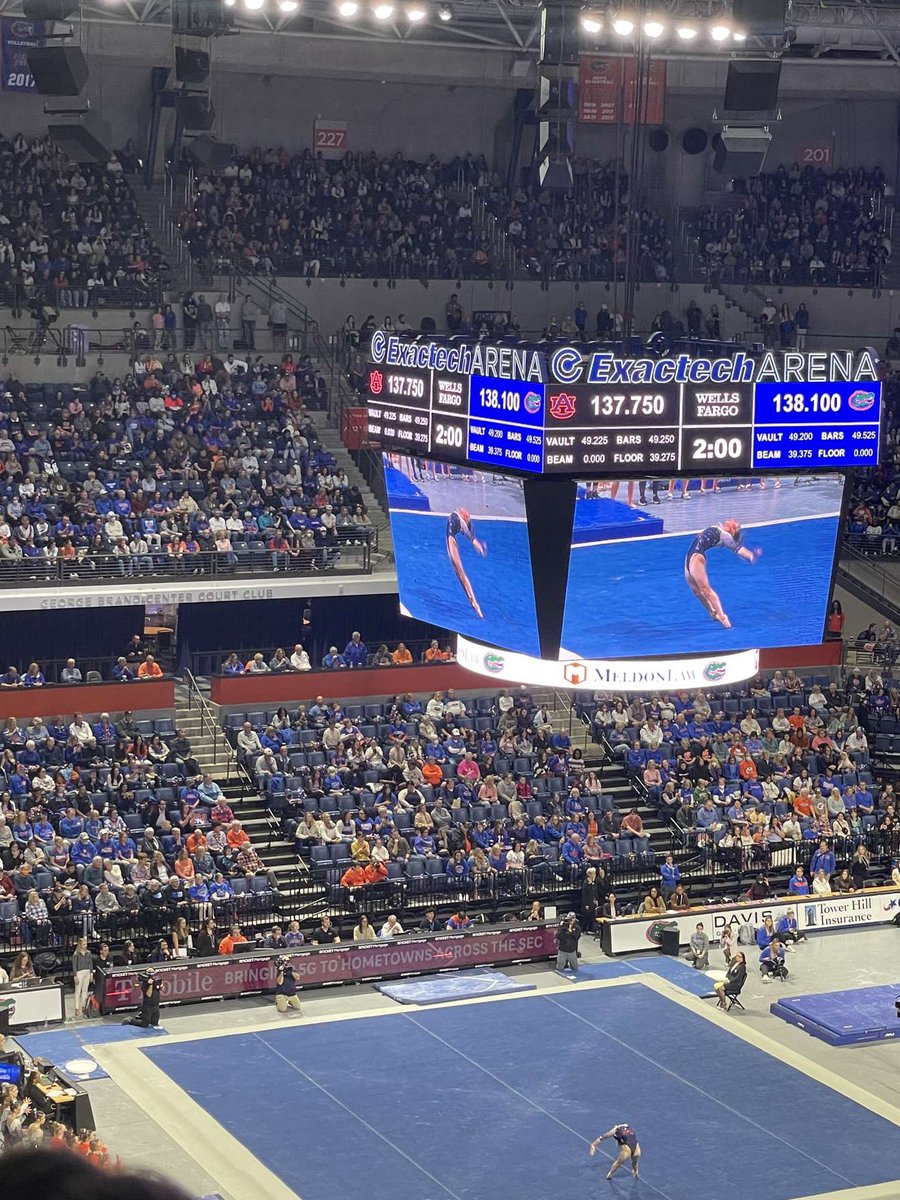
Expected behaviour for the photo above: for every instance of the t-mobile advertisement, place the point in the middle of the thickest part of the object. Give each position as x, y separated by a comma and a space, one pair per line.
210, 979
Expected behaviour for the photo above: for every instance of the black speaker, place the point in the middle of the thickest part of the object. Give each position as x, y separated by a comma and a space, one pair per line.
86, 140
49, 10
741, 152
760, 18
58, 70
694, 141
658, 140
560, 34
752, 85
196, 111
191, 66
556, 175
209, 152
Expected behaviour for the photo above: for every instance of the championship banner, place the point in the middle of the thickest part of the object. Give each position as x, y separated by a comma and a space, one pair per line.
607, 91
17, 37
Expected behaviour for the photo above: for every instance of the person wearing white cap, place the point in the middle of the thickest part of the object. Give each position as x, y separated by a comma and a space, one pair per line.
356, 653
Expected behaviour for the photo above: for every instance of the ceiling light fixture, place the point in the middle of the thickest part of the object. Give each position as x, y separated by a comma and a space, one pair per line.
591, 22
415, 13
383, 12
445, 12
654, 28
348, 8
253, 5
623, 26
288, 6
719, 33
687, 33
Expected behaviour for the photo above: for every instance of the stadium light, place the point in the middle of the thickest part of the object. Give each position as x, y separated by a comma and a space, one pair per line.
623, 26
348, 8
288, 6
253, 5
383, 12
687, 33
416, 13
445, 12
654, 28
591, 22
739, 35
719, 32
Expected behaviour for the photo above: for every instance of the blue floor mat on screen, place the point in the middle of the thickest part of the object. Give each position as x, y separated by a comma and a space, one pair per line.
672, 969
845, 1018
464, 985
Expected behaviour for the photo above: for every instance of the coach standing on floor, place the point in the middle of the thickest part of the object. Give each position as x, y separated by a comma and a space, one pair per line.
567, 938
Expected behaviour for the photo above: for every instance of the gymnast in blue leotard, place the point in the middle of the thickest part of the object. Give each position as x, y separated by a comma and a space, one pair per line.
459, 522
726, 536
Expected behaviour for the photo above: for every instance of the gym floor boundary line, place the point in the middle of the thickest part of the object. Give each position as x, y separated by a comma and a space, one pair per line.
696, 1087
527, 1099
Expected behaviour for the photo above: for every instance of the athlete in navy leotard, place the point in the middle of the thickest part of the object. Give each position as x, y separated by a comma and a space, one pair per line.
629, 1148
459, 522
728, 537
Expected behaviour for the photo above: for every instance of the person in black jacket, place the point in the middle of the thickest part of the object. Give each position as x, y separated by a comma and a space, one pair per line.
590, 901
735, 978
567, 937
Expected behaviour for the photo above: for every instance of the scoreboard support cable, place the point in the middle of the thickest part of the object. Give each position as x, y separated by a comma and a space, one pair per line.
582, 411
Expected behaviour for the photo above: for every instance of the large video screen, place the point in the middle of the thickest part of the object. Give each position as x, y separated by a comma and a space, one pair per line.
691, 566
462, 552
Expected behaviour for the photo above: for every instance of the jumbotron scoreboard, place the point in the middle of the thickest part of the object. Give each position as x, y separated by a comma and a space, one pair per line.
576, 410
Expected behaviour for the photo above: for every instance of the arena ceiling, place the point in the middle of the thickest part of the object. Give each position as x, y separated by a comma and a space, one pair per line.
863, 29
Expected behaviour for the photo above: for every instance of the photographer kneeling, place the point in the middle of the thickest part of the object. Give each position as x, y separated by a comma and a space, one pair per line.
771, 962
148, 1014
285, 986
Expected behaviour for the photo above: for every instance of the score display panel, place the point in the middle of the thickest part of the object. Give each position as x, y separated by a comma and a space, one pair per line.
586, 412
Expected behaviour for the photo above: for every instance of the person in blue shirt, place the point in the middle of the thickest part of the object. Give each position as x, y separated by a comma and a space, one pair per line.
765, 933
573, 805
356, 652
560, 741
771, 962
83, 850
71, 825
333, 661
460, 920
424, 846
122, 672
670, 875
788, 931
481, 835
537, 830
635, 757
574, 826
33, 677
572, 851
43, 832
823, 860
799, 885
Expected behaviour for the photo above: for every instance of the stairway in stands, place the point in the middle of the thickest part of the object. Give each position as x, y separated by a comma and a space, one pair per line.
214, 754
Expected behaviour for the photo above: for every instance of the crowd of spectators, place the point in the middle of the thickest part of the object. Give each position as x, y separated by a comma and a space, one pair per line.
582, 234
110, 827
873, 513
798, 226
185, 466
472, 797
354, 655
70, 234
363, 215
787, 762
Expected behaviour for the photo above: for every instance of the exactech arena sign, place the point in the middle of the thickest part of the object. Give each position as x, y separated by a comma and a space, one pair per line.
634, 675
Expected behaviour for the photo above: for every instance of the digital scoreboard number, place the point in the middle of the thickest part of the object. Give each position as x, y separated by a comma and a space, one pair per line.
571, 412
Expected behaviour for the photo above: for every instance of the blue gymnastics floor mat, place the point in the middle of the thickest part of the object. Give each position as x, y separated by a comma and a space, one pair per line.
63, 1046
464, 985
695, 982
846, 1018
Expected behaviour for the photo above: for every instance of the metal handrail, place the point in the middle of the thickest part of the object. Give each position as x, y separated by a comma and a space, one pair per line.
210, 725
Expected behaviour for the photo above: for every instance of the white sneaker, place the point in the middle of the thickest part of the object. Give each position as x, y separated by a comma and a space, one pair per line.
767, 978
790, 948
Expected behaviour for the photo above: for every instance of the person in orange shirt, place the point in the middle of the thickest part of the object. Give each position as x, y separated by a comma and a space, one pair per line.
236, 837
196, 841
149, 668
354, 876
375, 872
434, 653
803, 803
230, 940
401, 656
432, 772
